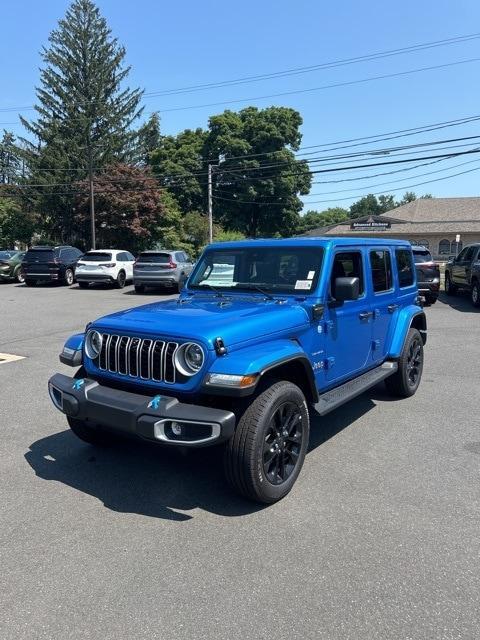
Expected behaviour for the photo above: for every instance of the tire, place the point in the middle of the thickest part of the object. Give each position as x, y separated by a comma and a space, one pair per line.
91, 435
139, 288
121, 280
30, 283
267, 442
83, 285
429, 300
450, 288
405, 382
19, 276
475, 294
68, 277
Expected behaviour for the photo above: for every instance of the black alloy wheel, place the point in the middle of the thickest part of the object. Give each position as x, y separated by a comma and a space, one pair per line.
475, 294
414, 361
283, 443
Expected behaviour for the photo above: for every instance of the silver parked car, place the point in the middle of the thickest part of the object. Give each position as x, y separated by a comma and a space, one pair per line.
161, 269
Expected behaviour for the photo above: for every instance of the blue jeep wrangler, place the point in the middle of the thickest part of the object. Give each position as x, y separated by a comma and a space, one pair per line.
265, 333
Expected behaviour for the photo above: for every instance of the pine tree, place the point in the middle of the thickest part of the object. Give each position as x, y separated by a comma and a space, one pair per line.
85, 113
10, 162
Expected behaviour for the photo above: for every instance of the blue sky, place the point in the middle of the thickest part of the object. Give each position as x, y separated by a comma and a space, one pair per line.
176, 44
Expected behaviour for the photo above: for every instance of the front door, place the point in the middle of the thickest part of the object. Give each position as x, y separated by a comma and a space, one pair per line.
462, 261
384, 300
348, 326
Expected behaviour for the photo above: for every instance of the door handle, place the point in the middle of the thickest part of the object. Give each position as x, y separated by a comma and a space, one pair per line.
392, 307
365, 315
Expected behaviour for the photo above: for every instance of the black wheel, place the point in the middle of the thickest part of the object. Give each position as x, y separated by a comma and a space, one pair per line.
68, 277
266, 453
30, 283
406, 380
83, 285
121, 279
450, 288
475, 294
19, 276
139, 288
92, 435
429, 299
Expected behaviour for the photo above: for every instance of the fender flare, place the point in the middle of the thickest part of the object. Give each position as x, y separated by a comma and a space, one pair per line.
408, 317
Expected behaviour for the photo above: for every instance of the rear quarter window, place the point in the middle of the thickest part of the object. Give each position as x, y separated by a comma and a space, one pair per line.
405, 267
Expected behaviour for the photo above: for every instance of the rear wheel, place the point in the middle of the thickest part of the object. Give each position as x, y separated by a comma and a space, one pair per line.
30, 283
139, 288
68, 277
450, 288
265, 455
475, 294
19, 276
83, 285
404, 383
121, 279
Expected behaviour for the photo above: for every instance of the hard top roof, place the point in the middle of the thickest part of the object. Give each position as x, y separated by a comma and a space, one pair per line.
307, 241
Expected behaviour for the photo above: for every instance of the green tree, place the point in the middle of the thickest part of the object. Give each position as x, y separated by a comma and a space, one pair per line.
10, 161
318, 219
131, 209
258, 194
84, 112
16, 226
149, 139
372, 206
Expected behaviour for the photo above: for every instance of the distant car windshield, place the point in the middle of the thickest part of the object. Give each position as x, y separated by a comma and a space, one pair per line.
159, 258
422, 255
96, 256
6, 255
273, 269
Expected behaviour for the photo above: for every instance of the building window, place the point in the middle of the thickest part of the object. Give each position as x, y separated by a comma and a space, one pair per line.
456, 247
423, 243
444, 247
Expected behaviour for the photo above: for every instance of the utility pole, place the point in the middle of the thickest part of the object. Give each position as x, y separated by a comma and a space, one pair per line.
210, 205
92, 196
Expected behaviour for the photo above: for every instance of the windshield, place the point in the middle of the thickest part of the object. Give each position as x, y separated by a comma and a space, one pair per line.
96, 256
6, 255
422, 256
272, 269
159, 258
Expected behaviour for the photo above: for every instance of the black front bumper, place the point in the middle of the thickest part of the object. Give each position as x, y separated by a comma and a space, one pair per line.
154, 418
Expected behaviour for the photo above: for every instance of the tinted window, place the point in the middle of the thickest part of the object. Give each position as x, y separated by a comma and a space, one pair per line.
6, 255
122, 257
461, 255
469, 253
97, 256
422, 256
130, 256
161, 258
40, 255
404, 267
381, 265
347, 264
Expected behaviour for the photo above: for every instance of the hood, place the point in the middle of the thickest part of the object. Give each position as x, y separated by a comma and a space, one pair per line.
204, 319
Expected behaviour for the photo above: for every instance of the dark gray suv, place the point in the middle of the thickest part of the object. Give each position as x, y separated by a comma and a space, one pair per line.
158, 268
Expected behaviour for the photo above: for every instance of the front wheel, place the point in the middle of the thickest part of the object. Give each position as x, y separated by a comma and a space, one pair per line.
450, 288
406, 380
20, 276
91, 435
475, 294
139, 288
265, 455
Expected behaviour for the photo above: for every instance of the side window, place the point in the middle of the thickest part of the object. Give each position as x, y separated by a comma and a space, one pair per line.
404, 267
469, 254
462, 254
187, 257
122, 257
347, 264
180, 256
62, 254
381, 266
130, 257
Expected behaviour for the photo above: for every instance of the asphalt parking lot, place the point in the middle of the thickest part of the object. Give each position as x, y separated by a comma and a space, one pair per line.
378, 539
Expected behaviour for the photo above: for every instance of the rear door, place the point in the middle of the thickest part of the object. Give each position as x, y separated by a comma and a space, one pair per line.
384, 299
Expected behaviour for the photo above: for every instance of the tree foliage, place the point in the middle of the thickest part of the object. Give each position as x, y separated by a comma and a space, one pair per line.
16, 225
10, 160
84, 113
318, 219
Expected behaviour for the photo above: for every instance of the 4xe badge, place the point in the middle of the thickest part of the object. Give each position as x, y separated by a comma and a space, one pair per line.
155, 402
78, 384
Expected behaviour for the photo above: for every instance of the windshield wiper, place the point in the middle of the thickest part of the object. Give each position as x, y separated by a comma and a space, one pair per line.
254, 287
205, 285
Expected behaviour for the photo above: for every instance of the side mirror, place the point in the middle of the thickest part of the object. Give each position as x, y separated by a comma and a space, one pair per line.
346, 289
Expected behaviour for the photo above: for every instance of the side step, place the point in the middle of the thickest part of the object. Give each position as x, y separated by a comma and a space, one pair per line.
338, 396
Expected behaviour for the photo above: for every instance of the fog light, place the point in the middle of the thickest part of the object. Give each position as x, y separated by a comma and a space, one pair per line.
176, 428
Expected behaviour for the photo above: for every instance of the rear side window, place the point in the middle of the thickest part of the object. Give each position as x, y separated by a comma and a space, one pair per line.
404, 267
161, 258
40, 255
422, 256
347, 264
381, 265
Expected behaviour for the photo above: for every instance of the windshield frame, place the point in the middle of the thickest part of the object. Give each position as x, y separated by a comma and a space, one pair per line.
265, 289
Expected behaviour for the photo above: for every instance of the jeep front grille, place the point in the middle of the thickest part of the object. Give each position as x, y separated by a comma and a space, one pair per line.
139, 358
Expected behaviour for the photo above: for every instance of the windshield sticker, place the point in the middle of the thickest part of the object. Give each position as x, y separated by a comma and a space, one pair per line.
303, 284
311, 275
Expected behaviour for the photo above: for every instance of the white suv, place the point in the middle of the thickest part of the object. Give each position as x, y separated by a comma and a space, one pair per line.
106, 266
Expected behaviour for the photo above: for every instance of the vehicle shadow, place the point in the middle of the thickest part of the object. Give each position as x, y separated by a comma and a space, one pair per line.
460, 302
159, 481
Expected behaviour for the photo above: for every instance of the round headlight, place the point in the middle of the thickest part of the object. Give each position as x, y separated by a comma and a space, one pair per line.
189, 358
93, 344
